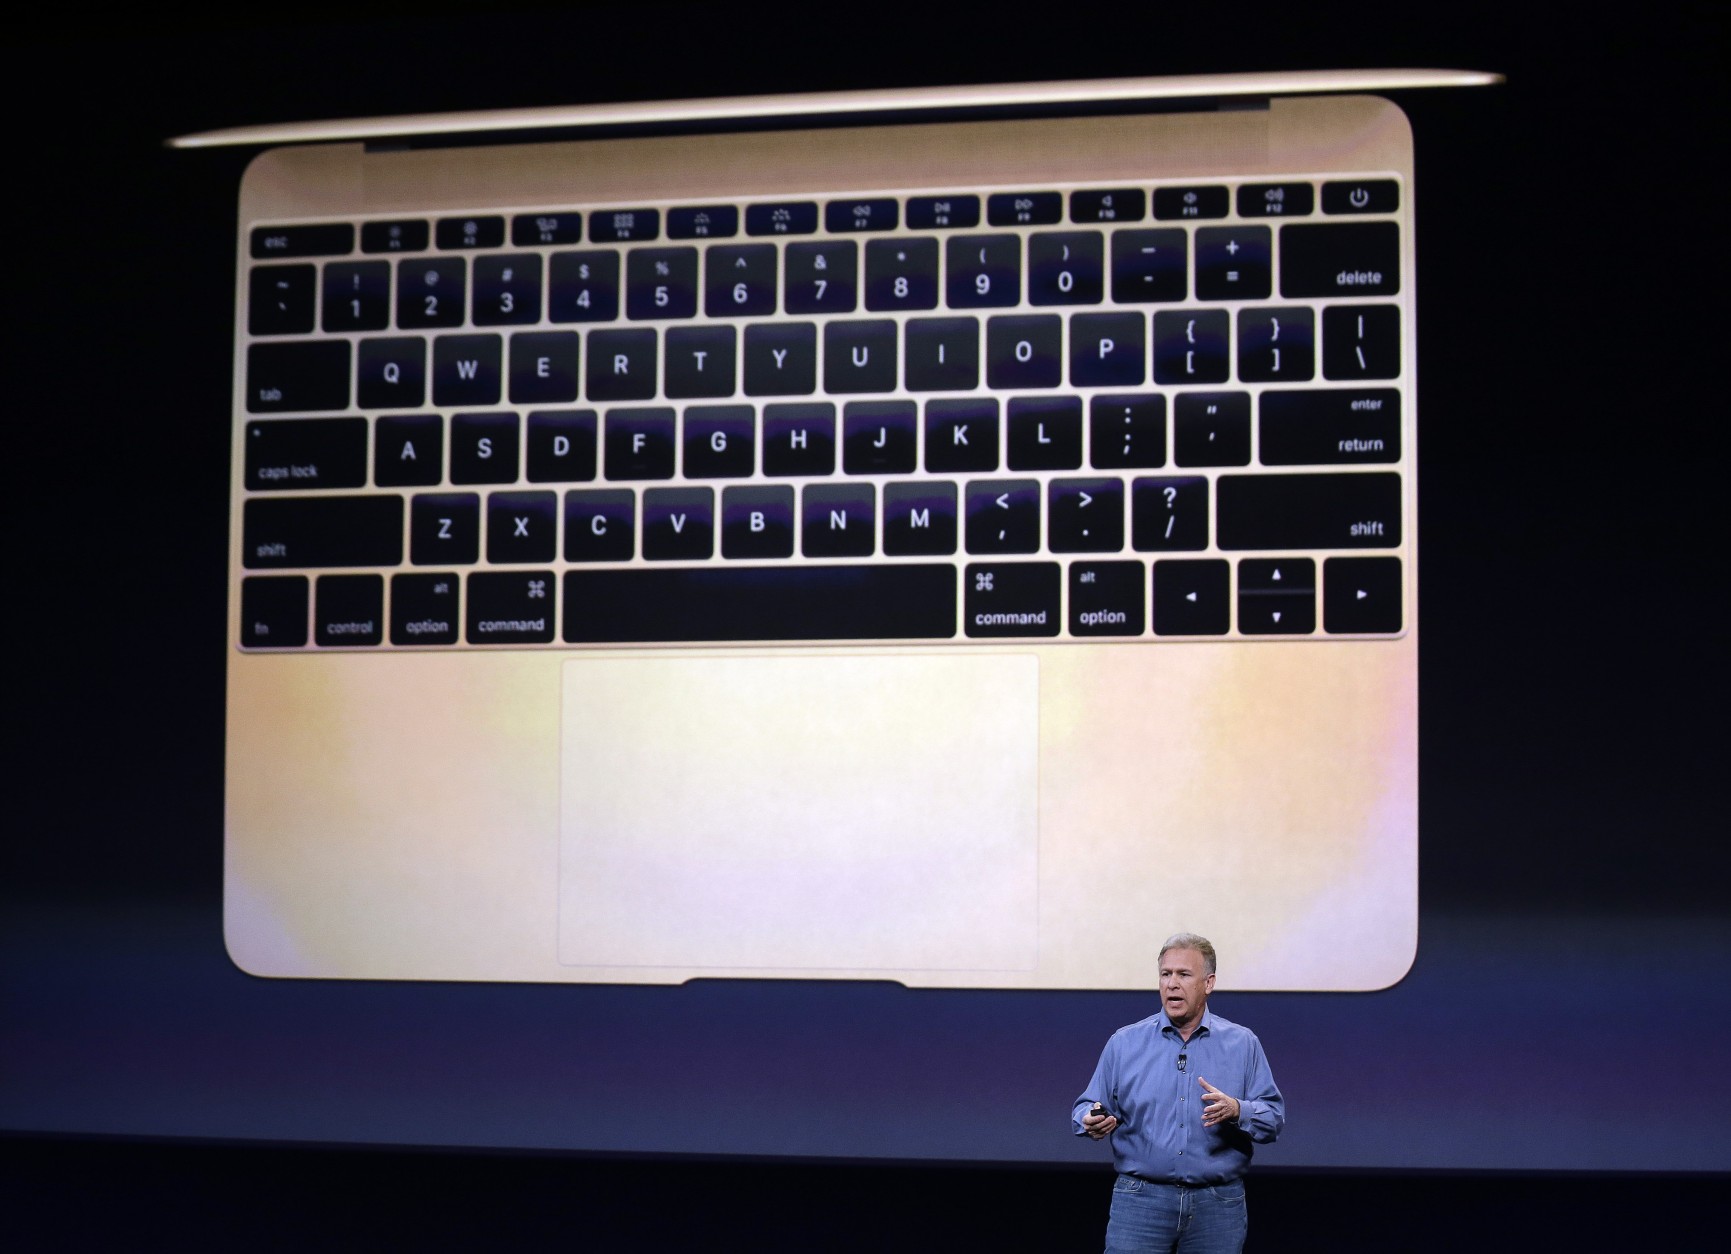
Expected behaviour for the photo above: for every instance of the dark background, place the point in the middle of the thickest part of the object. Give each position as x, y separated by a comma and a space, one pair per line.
1554, 1066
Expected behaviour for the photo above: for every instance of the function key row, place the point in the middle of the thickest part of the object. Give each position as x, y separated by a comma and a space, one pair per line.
1132, 266
837, 217
1190, 597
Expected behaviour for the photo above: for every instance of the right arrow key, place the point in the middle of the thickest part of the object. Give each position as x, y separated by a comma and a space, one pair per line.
1361, 595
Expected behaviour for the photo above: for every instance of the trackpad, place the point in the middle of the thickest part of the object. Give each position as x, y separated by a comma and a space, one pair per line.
868, 813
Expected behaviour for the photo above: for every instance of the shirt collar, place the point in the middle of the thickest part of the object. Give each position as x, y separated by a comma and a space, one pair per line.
1205, 1024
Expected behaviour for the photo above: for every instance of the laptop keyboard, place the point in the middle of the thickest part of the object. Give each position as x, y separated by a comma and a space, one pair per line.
1126, 413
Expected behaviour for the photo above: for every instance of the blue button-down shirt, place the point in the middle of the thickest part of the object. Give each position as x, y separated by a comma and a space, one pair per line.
1159, 1106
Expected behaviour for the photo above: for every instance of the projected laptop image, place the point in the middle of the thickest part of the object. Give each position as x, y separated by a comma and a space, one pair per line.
942, 537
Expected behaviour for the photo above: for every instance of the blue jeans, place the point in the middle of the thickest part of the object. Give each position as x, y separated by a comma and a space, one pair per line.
1149, 1218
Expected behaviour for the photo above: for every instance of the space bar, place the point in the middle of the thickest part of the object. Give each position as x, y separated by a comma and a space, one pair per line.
915, 602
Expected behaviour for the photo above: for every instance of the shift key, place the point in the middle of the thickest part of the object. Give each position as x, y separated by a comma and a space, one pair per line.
1325, 511
281, 532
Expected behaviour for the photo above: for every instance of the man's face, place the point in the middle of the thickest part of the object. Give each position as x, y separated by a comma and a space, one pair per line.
1184, 985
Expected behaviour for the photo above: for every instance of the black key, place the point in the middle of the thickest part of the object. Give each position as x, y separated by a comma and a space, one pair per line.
879, 438
324, 240
280, 300
392, 374
855, 602
297, 376
561, 446
701, 361
1192, 346
1325, 511
1127, 432
1340, 259
484, 448
479, 231
583, 287
799, 439
511, 607
1191, 202
983, 271
902, 274
1118, 204
838, 520
1003, 516
1211, 429
280, 532
928, 213
544, 367
445, 529
1085, 515
466, 369
822, 278
1361, 342
409, 451
757, 522
720, 441
1339, 425
962, 435
661, 283
600, 525
703, 222
872, 214
1024, 208
1361, 196
1361, 594
1045, 432
349, 610
1011, 599
522, 527
406, 236
678, 524
1191, 598
287, 455
1277, 596
507, 289
639, 443
1232, 263
622, 365
781, 359
739, 280
1066, 268
943, 354
357, 296
1169, 514
1150, 266
430, 292
1276, 200
1108, 350
859, 356
1108, 598
1276, 345
920, 519
791, 217
273, 611
621, 226
531, 229
424, 609
1025, 351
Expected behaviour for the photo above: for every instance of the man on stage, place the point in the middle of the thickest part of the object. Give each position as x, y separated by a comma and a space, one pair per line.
1183, 1095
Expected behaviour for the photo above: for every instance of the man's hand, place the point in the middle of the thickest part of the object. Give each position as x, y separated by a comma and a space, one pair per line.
1098, 1126
1217, 1107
